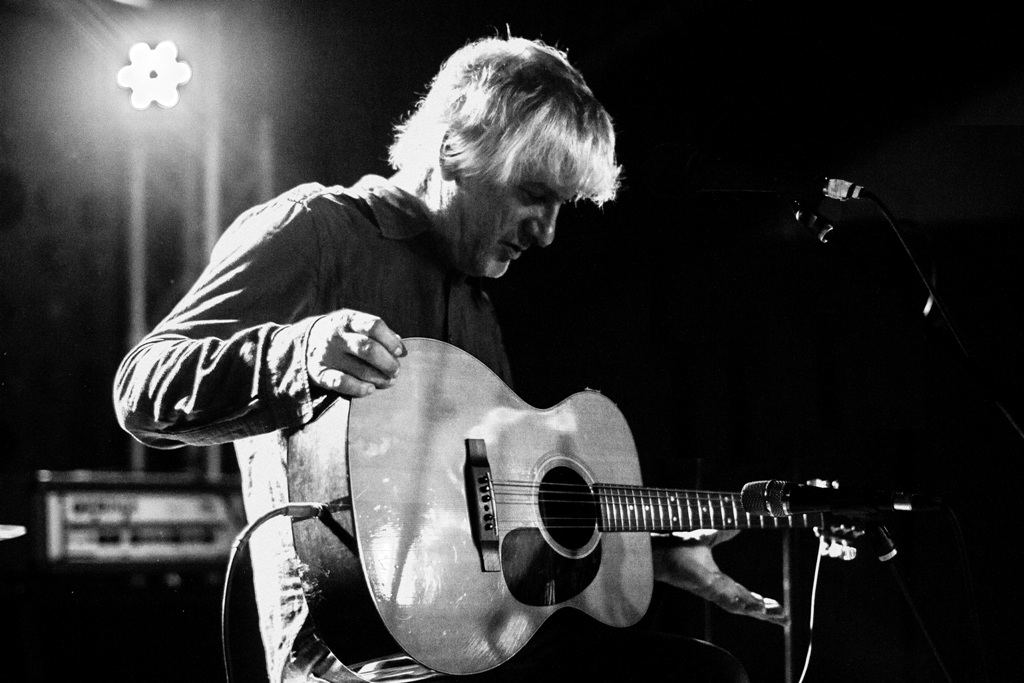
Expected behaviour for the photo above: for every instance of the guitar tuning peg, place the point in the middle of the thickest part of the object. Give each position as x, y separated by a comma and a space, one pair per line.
838, 549
844, 531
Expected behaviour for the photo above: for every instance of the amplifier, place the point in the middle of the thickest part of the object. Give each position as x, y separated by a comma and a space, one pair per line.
138, 520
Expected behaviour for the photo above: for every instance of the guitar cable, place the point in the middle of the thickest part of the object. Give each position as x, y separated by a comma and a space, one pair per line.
302, 511
822, 548
297, 512
905, 589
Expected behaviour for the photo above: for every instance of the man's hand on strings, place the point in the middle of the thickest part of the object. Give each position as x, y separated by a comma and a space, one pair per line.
687, 563
353, 353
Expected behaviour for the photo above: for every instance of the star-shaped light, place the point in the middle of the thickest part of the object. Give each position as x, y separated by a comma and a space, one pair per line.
154, 75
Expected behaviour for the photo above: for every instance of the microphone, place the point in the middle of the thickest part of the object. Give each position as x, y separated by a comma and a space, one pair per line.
713, 175
775, 498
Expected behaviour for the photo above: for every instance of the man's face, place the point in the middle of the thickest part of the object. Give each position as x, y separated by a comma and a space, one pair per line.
488, 225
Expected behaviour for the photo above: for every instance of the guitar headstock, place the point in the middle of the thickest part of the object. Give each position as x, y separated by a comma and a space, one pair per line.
838, 537
838, 533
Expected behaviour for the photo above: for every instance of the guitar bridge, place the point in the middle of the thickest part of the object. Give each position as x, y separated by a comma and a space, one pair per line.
480, 500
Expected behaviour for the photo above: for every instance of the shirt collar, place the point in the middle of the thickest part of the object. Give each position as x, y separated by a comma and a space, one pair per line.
399, 214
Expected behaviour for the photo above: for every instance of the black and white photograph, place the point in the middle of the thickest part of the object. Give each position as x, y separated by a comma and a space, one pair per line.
498, 342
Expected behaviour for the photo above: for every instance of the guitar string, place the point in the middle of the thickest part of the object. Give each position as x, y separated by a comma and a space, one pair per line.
523, 483
652, 518
640, 503
636, 505
531, 486
639, 520
653, 501
657, 496
535, 484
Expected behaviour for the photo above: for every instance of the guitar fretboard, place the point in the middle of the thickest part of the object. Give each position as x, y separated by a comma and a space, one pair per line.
637, 508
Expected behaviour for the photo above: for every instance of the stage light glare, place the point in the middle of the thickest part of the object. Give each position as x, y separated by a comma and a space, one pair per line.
154, 75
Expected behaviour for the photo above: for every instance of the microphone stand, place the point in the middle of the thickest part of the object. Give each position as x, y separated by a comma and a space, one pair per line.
885, 549
822, 228
805, 212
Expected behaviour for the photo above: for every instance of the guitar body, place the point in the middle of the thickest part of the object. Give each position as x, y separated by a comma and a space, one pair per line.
419, 551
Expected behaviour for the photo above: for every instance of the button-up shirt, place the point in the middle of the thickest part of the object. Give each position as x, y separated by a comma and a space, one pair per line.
228, 364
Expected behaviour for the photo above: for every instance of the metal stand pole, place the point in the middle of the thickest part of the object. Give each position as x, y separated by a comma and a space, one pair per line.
137, 267
212, 188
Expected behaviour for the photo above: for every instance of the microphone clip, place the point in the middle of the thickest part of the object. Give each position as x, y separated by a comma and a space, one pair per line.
810, 220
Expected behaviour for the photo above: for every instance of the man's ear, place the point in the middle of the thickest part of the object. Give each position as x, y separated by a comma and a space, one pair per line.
448, 172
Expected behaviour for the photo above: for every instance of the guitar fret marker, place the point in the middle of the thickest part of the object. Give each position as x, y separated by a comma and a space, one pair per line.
634, 508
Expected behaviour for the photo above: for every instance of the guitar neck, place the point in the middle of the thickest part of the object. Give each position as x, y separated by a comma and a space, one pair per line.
638, 508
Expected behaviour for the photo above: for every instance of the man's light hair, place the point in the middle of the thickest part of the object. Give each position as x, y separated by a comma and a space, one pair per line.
510, 109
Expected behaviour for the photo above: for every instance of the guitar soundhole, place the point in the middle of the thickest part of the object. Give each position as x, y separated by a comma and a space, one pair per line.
568, 508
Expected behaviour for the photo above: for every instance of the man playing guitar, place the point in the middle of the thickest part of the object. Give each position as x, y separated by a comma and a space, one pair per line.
306, 304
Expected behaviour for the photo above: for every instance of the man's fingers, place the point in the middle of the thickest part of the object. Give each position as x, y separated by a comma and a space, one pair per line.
775, 612
733, 597
739, 601
753, 605
373, 327
342, 383
348, 352
366, 358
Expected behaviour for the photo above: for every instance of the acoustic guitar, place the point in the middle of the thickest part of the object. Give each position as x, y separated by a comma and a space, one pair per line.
477, 515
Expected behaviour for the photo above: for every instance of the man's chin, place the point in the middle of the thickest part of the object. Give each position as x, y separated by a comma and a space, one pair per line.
495, 268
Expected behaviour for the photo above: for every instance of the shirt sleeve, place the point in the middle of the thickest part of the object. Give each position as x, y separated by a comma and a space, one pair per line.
229, 360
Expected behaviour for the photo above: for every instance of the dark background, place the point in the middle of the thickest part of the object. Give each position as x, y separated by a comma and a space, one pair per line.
737, 345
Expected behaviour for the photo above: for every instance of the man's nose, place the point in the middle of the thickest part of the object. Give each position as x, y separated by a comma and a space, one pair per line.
542, 229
